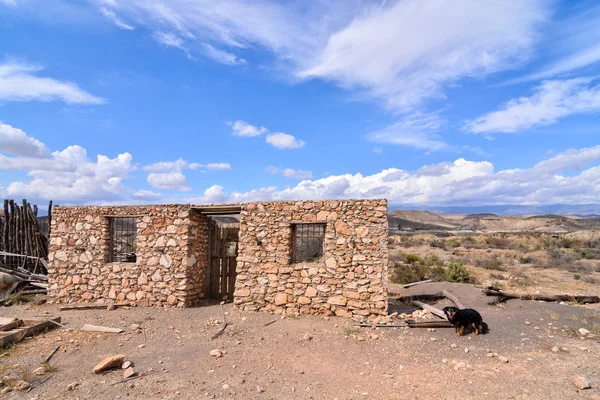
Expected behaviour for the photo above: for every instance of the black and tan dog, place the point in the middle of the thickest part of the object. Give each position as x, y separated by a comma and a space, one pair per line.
465, 318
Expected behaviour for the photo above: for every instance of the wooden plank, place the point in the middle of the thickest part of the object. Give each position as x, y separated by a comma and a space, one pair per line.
91, 306
453, 299
30, 328
98, 328
416, 283
8, 324
493, 291
233, 264
431, 309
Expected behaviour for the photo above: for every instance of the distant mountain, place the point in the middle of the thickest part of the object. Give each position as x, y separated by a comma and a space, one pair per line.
583, 210
400, 221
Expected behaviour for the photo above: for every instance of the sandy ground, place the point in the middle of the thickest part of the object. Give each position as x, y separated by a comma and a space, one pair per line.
339, 361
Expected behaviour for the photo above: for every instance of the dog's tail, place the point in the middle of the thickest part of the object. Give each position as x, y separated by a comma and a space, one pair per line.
484, 328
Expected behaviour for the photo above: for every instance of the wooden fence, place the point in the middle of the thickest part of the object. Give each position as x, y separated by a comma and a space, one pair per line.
23, 246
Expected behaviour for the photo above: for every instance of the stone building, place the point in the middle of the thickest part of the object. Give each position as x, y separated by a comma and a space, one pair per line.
326, 257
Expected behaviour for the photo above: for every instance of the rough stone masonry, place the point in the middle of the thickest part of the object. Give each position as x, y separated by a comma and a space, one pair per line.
351, 277
172, 257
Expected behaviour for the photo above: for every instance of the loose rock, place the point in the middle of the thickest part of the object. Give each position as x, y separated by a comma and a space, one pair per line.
216, 353
128, 373
126, 364
503, 359
582, 382
109, 363
22, 386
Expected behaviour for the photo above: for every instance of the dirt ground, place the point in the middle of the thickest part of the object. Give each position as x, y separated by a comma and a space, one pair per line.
339, 361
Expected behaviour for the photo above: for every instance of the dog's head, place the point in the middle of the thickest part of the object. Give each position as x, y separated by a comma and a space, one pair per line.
450, 312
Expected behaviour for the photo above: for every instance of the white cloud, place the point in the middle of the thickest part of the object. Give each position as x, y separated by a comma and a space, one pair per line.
18, 83
282, 141
171, 40
83, 180
146, 195
394, 51
398, 52
14, 141
377, 149
218, 166
9, 3
115, 20
222, 56
289, 172
242, 128
572, 45
279, 140
168, 181
171, 166
459, 182
416, 130
551, 101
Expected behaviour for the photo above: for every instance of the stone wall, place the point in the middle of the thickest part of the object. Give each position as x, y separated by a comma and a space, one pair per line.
349, 280
79, 270
198, 259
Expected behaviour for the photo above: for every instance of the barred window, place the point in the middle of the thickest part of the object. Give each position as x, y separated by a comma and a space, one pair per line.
307, 242
122, 239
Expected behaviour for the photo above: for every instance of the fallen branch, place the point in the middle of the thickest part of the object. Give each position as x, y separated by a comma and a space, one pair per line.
494, 291
421, 297
416, 283
39, 384
139, 375
270, 322
220, 331
91, 306
431, 309
47, 359
428, 323
61, 325
453, 299
366, 325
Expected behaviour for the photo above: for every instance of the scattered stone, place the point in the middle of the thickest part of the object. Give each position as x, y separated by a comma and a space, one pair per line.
6, 390
453, 346
433, 339
307, 337
503, 359
216, 353
582, 382
260, 389
22, 386
527, 323
109, 363
134, 327
72, 386
466, 349
126, 364
489, 355
460, 365
555, 349
128, 373
39, 371
583, 331
444, 361
141, 346
226, 387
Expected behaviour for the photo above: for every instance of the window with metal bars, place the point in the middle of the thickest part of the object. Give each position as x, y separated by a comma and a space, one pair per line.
307, 242
122, 239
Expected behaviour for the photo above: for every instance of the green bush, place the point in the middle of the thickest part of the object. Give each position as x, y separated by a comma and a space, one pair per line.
412, 268
457, 272
493, 263
526, 260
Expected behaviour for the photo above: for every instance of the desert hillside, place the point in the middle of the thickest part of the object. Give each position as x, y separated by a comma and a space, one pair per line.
402, 221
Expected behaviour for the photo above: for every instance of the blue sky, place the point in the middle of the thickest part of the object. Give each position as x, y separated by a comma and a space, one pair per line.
422, 102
